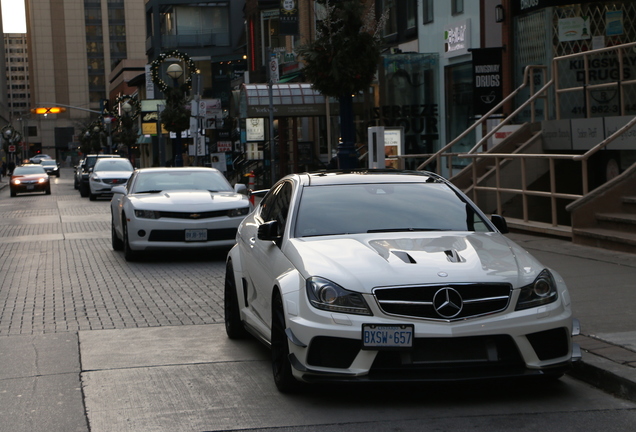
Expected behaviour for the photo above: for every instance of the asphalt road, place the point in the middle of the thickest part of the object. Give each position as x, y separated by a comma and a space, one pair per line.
90, 342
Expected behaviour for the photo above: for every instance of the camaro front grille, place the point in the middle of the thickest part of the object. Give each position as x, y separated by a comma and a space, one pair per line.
179, 235
194, 215
444, 302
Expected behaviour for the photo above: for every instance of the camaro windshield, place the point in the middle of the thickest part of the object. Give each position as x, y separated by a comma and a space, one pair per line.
393, 207
181, 180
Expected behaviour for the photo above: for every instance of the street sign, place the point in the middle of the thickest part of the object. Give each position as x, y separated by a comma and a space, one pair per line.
11, 148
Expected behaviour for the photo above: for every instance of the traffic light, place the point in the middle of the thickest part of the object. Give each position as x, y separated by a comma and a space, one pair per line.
48, 110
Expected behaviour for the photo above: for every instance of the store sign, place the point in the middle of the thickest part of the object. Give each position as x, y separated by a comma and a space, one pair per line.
224, 146
575, 28
487, 79
255, 129
288, 18
457, 39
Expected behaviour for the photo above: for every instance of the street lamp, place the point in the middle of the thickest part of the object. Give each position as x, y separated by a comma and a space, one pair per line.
175, 71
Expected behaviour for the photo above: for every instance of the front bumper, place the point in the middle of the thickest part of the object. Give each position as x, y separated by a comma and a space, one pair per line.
328, 346
155, 235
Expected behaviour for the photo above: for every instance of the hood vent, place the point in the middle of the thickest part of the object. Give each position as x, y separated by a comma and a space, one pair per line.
453, 256
404, 256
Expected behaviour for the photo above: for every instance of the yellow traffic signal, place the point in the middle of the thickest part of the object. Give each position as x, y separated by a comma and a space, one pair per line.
48, 110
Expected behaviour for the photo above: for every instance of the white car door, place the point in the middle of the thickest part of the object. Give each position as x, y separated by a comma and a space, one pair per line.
265, 261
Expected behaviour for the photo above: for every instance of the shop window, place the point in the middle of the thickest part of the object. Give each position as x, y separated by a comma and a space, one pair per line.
457, 7
427, 6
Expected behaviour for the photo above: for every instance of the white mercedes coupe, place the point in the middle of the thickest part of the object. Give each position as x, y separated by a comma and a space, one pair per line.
176, 208
384, 275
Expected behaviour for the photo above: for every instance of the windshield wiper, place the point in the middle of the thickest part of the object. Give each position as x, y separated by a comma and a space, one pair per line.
153, 191
403, 229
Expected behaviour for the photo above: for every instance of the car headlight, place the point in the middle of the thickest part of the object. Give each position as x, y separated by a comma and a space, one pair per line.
95, 179
16, 182
238, 212
326, 295
41, 180
542, 291
147, 214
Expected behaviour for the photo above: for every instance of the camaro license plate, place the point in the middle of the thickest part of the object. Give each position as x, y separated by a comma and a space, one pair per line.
193, 235
30, 187
387, 336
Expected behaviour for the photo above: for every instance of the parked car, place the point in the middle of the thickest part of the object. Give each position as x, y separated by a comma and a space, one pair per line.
38, 158
391, 276
107, 173
29, 178
77, 174
176, 208
87, 167
51, 167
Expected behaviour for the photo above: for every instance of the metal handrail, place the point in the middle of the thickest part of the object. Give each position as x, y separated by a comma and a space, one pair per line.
526, 80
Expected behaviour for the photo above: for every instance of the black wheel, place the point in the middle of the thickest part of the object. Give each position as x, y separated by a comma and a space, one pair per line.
84, 190
75, 184
92, 197
129, 254
118, 244
57, 175
233, 325
48, 191
281, 366
13, 193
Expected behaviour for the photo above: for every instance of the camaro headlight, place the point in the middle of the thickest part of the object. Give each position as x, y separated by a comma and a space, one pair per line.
238, 212
326, 295
41, 180
542, 291
147, 214
16, 182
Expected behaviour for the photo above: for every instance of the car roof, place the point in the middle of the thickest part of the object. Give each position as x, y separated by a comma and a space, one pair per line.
341, 177
172, 169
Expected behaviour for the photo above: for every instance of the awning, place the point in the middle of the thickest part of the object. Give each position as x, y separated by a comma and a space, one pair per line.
144, 139
289, 77
289, 100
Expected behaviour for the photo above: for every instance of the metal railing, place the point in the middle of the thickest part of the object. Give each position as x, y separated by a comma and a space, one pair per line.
500, 159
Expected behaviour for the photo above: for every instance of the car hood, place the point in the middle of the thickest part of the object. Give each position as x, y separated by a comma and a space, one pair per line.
113, 174
362, 262
188, 200
23, 177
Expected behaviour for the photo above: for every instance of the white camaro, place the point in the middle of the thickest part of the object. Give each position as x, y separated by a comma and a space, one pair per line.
391, 276
176, 208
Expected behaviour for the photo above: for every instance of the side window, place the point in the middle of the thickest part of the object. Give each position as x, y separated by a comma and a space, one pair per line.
276, 205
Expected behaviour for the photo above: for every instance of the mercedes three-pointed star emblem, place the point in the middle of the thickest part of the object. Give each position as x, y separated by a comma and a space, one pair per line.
448, 303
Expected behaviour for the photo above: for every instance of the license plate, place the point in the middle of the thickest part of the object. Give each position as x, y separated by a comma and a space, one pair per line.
192, 235
387, 336
30, 187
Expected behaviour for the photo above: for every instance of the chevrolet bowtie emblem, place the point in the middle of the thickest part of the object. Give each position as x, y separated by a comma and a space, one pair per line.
195, 216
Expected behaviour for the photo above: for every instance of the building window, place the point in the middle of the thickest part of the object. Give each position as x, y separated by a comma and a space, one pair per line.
411, 14
427, 6
390, 27
457, 7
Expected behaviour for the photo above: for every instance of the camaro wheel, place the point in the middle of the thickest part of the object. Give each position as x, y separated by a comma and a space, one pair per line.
281, 367
48, 191
233, 325
118, 244
129, 254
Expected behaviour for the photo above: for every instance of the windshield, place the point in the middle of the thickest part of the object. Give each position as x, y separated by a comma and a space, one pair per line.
48, 162
114, 164
157, 181
23, 170
393, 207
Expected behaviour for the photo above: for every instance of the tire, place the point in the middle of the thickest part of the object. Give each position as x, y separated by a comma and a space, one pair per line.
48, 191
75, 184
92, 197
281, 366
13, 194
118, 244
233, 325
57, 175
84, 190
129, 254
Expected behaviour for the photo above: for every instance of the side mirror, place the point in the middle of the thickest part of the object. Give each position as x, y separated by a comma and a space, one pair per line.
240, 188
500, 223
119, 190
268, 231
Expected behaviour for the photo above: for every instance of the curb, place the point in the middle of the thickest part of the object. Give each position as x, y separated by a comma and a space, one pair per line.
607, 375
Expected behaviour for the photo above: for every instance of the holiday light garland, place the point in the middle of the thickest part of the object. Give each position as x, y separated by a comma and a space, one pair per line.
155, 68
133, 102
